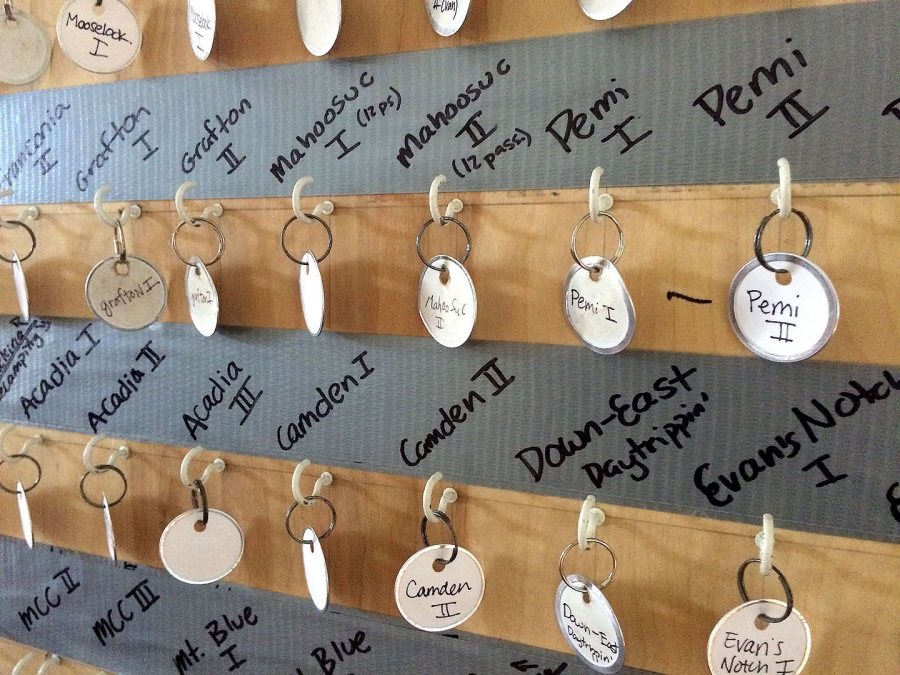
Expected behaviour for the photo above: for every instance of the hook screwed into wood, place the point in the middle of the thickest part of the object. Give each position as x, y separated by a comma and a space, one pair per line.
325, 479
217, 466
448, 497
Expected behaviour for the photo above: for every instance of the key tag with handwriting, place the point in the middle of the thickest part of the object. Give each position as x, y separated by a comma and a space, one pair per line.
600, 10
24, 47
447, 16
18, 273
312, 288
440, 586
199, 287
782, 306
759, 636
104, 504
102, 36
20, 492
201, 17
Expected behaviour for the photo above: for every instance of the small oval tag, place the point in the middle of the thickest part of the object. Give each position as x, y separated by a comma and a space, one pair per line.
783, 322
24, 49
600, 311
21, 287
447, 309
25, 515
100, 38
312, 293
201, 18
738, 645
201, 555
447, 16
320, 24
600, 10
590, 627
127, 296
110, 533
202, 298
315, 569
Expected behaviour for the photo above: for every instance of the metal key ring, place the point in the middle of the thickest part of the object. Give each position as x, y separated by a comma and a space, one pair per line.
446, 520
318, 220
583, 589
444, 221
103, 468
788, 594
198, 489
619, 248
14, 224
36, 480
757, 240
290, 511
196, 223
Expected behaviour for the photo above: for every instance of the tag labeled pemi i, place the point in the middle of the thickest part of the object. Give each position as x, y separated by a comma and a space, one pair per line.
598, 306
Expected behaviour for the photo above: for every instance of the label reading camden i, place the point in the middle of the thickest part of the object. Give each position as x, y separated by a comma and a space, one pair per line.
447, 302
788, 322
202, 297
590, 627
100, 37
24, 49
126, 295
599, 309
201, 17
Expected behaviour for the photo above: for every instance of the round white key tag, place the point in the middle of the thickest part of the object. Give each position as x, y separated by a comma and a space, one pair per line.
447, 302
198, 554
21, 287
24, 515
320, 24
434, 600
589, 625
743, 643
101, 38
312, 293
24, 48
600, 10
783, 322
447, 16
315, 569
202, 298
201, 17
600, 310
126, 295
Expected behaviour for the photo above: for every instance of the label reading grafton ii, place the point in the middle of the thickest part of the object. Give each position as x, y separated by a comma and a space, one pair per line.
101, 38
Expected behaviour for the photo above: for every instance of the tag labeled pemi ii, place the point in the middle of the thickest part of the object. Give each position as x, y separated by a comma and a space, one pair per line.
599, 309
128, 295
102, 37
447, 302
589, 625
24, 48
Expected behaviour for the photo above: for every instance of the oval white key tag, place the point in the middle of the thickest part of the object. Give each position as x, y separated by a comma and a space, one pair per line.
320, 24
315, 569
447, 309
108, 526
202, 298
21, 287
198, 554
201, 19
590, 627
434, 600
127, 296
599, 311
447, 16
24, 515
25, 49
783, 323
600, 10
101, 38
312, 293
738, 645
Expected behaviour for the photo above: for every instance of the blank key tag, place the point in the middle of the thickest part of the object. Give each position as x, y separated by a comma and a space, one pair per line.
743, 643
25, 48
24, 515
447, 16
312, 293
315, 569
21, 287
102, 37
201, 554
127, 295
110, 534
447, 302
598, 306
201, 18
202, 297
589, 625
600, 10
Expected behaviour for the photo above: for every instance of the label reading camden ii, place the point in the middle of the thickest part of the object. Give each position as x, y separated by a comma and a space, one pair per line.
591, 628
599, 310
127, 296
102, 38
447, 302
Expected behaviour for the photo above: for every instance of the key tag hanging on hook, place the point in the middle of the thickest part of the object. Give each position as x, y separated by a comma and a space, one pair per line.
201, 18
20, 490
18, 272
102, 36
447, 17
25, 47
104, 504
320, 24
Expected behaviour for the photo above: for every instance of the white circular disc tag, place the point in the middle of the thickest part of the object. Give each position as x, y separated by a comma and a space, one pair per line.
783, 323
25, 515
21, 287
600, 10
201, 17
24, 49
447, 16
736, 645
435, 601
320, 23
312, 293
202, 298
127, 296
101, 39
447, 310
600, 312
591, 628
315, 569
201, 557
110, 534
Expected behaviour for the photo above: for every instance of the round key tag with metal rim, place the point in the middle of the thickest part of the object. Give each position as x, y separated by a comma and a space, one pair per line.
320, 24
315, 567
440, 586
102, 36
447, 16
783, 321
201, 18
312, 287
128, 294
104, 504
600, 10
25, 47
760, 636
21, 287
21, 496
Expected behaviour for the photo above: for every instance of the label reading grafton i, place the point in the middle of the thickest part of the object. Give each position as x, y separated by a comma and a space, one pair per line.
599, 310
201, 17
24, 49
590, 627
126, 295
447, 16
102, 38
447, 309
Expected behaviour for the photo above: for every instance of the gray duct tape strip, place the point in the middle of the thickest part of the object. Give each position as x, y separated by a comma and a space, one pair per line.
731, 438
130, 619
714, 101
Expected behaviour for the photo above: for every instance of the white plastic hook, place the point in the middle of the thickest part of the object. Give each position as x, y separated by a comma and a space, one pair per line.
454, 207
323, 480
448, 497
131, 212
29, 214
766, 542
212, 211
17, 670
217, 466
49, 662
781, 196
37, 439
590, 518
119, 453
325, 208
598, 202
